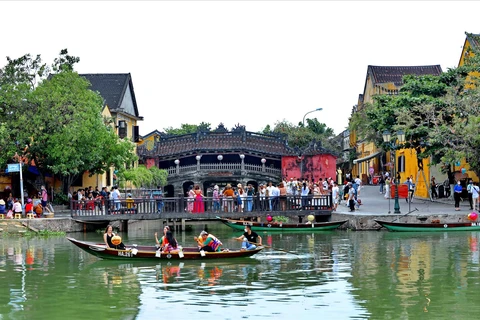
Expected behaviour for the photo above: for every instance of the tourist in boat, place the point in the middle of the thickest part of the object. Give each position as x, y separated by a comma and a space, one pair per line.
249, 239
163, 240
210, 242
168, 243
199, 241
198, 205
107, 237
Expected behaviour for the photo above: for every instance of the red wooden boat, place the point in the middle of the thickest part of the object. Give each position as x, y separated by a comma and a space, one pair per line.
134, 252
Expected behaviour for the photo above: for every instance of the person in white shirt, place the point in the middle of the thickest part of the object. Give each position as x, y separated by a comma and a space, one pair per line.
270, 195
325, 185
335, 196
475, 195
304, 193
359, 185
294, 186
275, 196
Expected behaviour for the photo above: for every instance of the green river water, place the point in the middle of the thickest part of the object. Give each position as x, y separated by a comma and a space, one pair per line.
334, 275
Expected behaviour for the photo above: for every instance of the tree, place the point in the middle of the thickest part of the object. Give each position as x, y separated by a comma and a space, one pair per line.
141, 177
438, 114
56, 124
300, 136
188, 128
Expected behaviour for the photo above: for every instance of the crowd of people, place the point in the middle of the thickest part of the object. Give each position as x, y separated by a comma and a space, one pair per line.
286, 195
32, 205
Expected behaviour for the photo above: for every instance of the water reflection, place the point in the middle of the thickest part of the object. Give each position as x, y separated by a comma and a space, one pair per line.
340, 275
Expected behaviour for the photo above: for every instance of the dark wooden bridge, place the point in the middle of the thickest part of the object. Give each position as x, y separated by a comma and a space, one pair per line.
181, 208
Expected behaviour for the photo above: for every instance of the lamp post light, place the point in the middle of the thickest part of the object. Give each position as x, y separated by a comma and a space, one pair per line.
393, 145
242, 157
263, 163
318, 109
198, 157
177, 163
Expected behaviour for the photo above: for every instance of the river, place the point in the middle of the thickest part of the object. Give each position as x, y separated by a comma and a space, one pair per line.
333, 275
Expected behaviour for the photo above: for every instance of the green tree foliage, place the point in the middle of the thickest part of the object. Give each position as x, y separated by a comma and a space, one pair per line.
438, 114
299, 136
141, 177
188, 128
56, 121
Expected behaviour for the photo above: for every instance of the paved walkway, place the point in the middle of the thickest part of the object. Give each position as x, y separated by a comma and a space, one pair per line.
374, 203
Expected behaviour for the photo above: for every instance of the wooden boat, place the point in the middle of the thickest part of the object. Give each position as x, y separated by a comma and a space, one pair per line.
134, 252
430, 227
273, 226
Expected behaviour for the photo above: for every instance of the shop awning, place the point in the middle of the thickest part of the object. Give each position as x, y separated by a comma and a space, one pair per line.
373, 155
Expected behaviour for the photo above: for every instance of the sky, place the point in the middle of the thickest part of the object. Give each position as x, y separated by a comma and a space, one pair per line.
240, 62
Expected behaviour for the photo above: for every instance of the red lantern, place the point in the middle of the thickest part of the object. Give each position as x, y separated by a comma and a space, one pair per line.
269, 218
472, 216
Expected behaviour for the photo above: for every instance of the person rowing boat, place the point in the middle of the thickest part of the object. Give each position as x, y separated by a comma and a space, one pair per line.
249, 239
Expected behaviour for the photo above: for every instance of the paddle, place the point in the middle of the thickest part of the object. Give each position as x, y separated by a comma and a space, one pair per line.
399, 217
264, 245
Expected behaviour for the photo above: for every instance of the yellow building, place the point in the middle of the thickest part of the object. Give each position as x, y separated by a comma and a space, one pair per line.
471, 41
371, 160
120, 105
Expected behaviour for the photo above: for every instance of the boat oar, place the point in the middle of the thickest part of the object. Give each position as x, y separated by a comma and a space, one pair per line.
399, 217
264, 245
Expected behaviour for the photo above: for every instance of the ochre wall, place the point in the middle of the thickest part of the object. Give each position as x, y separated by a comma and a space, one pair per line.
317, 166
411, 169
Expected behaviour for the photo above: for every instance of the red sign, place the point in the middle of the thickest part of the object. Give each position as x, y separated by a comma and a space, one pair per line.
402, 191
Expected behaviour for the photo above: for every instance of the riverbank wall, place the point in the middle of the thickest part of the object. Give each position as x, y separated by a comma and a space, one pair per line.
356, 222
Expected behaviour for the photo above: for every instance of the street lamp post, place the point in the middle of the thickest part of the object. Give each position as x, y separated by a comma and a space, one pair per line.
393, 145
318, 109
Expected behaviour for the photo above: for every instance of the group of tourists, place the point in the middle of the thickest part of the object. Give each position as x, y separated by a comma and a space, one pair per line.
36, 206
206, 241
286, 195
112, 199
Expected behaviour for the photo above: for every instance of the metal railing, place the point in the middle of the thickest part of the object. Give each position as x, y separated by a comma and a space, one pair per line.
171, 205
222, 167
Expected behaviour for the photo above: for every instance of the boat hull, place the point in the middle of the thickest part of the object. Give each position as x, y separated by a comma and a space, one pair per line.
283, 227
429, 227
151, 252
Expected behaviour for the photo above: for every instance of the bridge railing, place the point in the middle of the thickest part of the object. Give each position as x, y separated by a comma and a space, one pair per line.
256, 203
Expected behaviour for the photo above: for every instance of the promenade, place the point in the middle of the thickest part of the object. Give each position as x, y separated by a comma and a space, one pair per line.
375, 206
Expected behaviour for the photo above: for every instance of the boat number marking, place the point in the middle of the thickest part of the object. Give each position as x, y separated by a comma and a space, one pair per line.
124, 254
248, 224
445, 225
